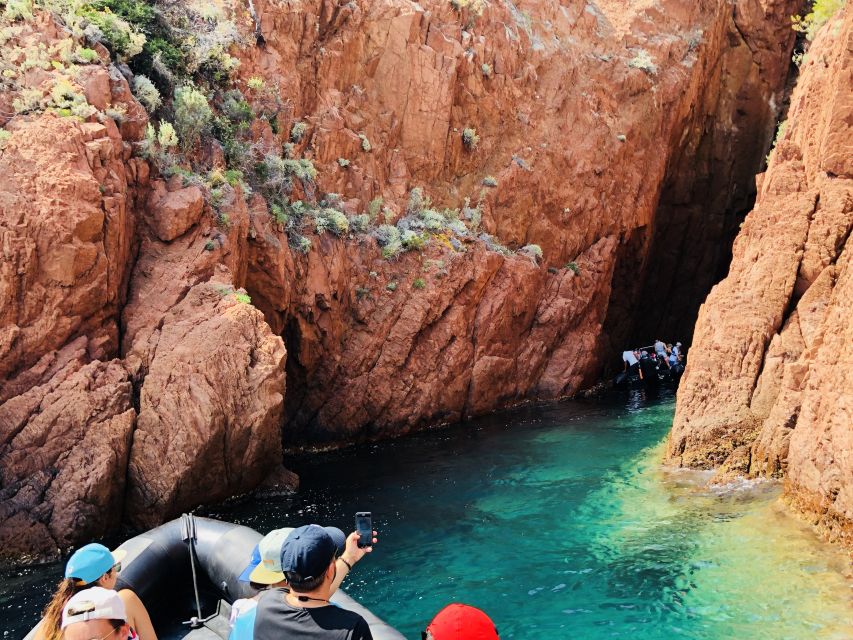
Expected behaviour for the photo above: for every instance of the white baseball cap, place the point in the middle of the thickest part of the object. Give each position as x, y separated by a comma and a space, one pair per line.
96, 603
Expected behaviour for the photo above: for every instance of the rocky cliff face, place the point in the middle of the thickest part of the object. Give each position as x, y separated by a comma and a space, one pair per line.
596, 131
560, 98
767, 390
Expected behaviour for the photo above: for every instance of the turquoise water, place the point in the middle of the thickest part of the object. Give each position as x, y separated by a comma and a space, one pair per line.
559, 521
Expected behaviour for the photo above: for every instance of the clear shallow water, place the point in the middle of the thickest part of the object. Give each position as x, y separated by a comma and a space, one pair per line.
558, 521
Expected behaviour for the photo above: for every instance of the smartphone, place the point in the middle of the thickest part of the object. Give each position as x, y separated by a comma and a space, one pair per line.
364, 528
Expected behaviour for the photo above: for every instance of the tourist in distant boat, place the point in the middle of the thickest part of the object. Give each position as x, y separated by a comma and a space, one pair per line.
314, 561
631, 362
673, 357
677, 348
660, 349
648, 369
460, 622
95, 613
93, 566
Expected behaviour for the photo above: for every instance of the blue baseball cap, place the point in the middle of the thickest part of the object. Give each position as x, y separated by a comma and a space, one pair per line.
89, 563
308, 550
254, 562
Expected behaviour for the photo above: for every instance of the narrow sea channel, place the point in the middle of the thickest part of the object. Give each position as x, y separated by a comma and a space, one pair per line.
559, 521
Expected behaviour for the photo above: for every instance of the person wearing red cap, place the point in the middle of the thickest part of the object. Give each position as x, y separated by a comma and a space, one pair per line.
460, 622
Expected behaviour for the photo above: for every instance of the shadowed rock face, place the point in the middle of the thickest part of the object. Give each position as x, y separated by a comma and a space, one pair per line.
768, 387
586, 114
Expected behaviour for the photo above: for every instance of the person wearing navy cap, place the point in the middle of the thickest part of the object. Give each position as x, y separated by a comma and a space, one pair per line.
314, 560
93, 566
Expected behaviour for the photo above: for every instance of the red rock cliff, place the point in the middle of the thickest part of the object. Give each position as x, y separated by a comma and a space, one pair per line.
620, 137
603, 128
767, 391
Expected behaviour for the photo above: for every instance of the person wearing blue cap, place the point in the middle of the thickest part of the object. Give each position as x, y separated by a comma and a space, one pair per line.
314, 560
263, 572
93, 566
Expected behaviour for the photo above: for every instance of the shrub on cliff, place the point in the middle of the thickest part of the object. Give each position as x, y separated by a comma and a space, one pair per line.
66, 100
157, 145
359, 223
412, 241
192, 115
117, 34
644, 62
492, 244
328, 219
18, 10
300, 243
146, 93
374, 208
432, 220
472, 214
274, 174
822, 11
417, 201
533, 251
297, 131
476, 7
470, 138
388, 237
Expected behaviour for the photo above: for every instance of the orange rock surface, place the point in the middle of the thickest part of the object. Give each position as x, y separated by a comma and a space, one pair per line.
767, 391
621, 137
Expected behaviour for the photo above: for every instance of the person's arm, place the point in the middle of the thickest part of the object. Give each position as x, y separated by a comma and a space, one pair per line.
137, 615
352, 554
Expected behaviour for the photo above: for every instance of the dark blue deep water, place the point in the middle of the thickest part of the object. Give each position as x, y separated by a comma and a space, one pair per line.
560, 522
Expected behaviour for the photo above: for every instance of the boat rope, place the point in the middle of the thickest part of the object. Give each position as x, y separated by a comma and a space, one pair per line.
189, 536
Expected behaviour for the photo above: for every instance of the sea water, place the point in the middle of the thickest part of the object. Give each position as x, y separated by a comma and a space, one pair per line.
560, 522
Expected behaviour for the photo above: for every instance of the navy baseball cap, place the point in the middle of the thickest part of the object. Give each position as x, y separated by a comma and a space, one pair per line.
308, 550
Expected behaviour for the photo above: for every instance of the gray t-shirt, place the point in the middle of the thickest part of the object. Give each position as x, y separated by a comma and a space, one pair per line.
277, 620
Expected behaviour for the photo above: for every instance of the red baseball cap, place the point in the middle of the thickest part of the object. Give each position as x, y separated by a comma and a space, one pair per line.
462, 622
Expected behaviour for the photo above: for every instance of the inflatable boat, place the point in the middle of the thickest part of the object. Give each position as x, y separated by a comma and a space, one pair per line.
186, 571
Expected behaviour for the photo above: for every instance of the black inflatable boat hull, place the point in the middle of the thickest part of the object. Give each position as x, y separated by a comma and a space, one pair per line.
157, 568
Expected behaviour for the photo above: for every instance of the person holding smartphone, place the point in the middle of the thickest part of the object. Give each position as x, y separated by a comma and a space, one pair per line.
314, 561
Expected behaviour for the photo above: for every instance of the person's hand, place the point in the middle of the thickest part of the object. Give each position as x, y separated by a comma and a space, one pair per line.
353, 553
